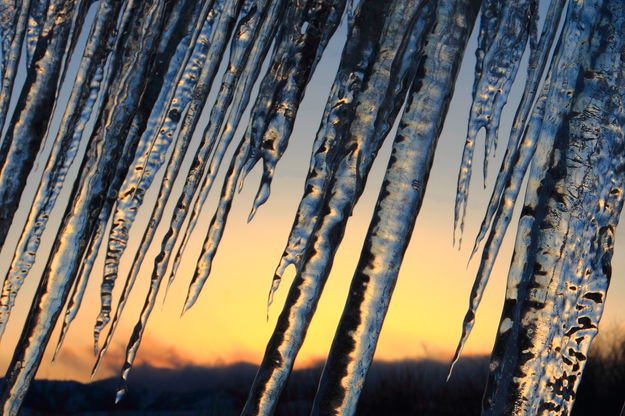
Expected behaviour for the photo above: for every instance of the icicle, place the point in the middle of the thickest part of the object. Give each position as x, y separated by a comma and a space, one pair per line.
160, 266
102, 163
162, 126
501, 222
79, 109
561, 266
13, 23
36, 20
257, 20
377, 105
80, 284
498, 70
199, 95
31, 115
398, 204
561, 74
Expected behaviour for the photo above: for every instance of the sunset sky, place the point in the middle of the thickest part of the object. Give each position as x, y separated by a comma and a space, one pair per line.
228, 323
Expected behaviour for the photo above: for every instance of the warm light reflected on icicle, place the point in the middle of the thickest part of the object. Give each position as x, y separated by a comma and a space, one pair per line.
398, 204
561, 266
78, 291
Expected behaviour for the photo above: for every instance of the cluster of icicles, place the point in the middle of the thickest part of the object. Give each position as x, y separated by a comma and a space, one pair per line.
142, 80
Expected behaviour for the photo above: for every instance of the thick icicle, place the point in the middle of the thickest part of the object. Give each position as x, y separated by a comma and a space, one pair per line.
561, 266
32, 113
180, 79
499, 67
79, 109
398, 205
394, 51
100, 166
544, 122
256, 25
221, 35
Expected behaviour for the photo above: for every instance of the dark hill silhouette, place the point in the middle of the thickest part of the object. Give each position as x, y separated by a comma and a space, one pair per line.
393, 388
398, 388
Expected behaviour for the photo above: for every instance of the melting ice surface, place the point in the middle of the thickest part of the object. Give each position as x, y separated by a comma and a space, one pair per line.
143, 79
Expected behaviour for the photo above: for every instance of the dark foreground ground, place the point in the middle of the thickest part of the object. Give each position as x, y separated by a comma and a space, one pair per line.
392, 389
397, 388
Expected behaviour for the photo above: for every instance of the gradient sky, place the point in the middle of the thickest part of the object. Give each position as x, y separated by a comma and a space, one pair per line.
228, 322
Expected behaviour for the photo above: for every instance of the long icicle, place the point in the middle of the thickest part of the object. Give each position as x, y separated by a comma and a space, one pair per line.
561, 265
32, 113
500, 64
376, 109
256, 21
399, 202
180, 78
99, 168
79, 109
502, 220
221, 36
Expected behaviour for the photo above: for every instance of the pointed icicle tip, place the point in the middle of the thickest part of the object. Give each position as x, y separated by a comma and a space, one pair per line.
252, 213
455, 359
121, 392
188, 304
261, 196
